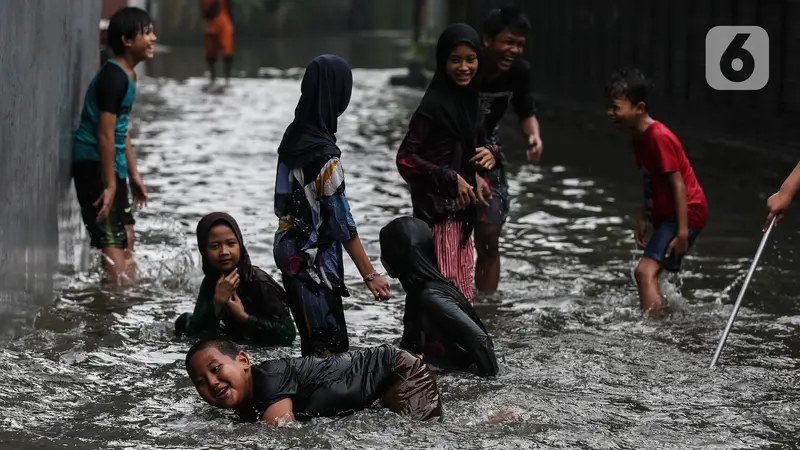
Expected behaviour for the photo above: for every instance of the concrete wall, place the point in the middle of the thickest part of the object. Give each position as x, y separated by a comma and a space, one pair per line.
48, 54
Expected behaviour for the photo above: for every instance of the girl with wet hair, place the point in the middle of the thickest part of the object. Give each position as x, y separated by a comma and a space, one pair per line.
236, 298
439, 322
315, 223
443, 151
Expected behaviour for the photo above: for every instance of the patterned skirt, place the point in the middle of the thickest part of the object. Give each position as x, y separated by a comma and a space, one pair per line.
456, 262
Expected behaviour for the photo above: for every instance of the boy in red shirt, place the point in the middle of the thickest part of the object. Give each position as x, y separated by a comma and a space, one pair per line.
674, 201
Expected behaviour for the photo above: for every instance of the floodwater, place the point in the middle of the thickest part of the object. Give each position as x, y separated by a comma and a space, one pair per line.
579, 365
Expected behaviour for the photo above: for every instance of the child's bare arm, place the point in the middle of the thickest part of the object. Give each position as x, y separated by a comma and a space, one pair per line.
779, 201
110, 89
681, 242
105, 143
530, 126
137, 186
376, 284
133, 171
279, 413
792, 183
679, 193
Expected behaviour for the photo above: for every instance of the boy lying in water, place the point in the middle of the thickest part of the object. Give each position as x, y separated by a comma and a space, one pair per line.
279, 391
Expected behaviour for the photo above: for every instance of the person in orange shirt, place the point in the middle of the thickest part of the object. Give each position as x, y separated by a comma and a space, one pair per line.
218, 35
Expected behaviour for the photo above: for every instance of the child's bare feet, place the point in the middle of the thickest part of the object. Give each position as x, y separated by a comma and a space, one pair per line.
504, 415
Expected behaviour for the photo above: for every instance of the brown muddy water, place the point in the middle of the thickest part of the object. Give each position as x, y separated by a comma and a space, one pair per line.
101, 369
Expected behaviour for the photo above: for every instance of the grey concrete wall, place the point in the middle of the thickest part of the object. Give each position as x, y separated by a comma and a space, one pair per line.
48, 54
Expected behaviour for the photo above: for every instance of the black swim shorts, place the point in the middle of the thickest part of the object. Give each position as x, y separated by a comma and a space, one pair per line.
497, 211
110, 233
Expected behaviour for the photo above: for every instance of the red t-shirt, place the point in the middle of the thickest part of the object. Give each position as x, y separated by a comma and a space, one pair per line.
658, 152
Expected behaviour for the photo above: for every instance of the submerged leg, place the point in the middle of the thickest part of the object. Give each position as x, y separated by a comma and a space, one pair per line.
487, 266
319, 317
647, 280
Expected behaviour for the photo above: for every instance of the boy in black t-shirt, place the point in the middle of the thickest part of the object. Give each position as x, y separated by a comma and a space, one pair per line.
507, 80
281, 390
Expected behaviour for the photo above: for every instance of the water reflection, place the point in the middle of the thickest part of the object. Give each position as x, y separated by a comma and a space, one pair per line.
103, 370
365, 51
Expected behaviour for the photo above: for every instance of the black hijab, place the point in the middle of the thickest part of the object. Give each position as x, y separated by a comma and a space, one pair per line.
453, 107
204, 229
260, 294
325, 93
407, 248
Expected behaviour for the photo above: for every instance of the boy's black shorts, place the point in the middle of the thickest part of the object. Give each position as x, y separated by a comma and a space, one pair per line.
110, 233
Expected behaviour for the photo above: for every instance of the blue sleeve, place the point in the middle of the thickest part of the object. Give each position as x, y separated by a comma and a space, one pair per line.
337, 221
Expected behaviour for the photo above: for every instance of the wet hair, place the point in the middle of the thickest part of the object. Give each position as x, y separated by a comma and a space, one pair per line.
509, 17
127, 22
631, 84
224, 345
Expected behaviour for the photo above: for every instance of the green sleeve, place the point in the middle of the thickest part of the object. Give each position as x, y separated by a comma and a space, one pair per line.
271, 332
203, 318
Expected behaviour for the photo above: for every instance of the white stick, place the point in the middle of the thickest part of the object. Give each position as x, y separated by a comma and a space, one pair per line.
741, 294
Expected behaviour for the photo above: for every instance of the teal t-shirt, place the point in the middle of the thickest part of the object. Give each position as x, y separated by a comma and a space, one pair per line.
111, 90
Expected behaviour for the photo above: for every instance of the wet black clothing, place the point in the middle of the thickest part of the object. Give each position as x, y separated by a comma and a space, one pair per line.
456, 110
450, 106
345, 383
512, 87
264, 300
439, 322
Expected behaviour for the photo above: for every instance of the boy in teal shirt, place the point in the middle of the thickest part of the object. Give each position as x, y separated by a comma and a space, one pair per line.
102, 154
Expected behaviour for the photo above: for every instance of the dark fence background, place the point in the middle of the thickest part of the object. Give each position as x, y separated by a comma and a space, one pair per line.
576, 44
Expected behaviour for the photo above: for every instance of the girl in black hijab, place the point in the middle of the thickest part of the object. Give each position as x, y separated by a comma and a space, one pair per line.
439, 322
315, 223
443, 150
236, 298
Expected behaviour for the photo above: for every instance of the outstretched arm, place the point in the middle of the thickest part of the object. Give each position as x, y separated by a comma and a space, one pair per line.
778, 202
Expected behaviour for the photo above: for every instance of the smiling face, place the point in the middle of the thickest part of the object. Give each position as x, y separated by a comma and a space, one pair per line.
462, 64
222, 381
142, 47
504, 48
222, 248
623, 113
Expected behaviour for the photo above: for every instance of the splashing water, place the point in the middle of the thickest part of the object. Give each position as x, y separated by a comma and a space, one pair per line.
580, 368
